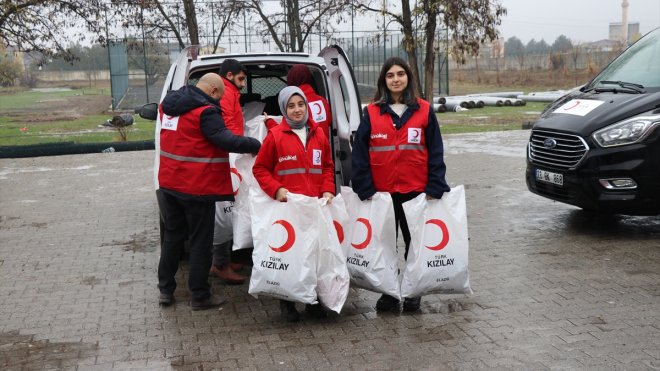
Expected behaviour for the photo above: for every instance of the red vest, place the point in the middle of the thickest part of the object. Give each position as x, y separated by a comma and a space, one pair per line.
399, 158
188, 162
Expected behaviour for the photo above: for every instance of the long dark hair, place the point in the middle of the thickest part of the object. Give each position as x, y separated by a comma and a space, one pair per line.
382, 95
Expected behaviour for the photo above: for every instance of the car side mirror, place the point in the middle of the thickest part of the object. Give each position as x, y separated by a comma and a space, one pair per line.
149, 111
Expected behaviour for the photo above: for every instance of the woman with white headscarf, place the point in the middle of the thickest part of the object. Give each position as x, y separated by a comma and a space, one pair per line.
295, 157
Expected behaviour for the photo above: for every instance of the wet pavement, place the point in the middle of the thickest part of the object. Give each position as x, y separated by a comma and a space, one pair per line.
554, 287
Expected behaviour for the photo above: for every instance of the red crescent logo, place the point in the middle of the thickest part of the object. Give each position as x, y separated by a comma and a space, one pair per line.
416, 134
340, 231
290, 239
577, 103
445, 234
366, 241
318, 106
233, 170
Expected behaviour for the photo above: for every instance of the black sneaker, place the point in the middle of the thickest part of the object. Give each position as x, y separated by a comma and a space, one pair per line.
289, 312
165, 299
412, 304
387, 302
213, 301
316, 311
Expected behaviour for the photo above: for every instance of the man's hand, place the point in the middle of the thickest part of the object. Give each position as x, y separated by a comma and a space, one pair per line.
328, 196
280, 195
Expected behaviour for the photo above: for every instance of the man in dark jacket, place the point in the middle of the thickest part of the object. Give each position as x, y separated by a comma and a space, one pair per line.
193, 174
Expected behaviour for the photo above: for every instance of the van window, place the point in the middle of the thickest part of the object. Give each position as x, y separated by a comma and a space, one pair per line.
639, 64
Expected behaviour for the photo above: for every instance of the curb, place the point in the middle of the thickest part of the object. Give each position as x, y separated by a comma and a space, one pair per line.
71, 148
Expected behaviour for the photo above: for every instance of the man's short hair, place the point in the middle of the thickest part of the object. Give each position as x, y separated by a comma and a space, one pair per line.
233, 66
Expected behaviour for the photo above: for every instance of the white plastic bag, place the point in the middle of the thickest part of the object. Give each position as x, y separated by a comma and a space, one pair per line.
241, 228
333, 278
438, 255
223, 231
286, 238
256, 128
223, 228
370, 245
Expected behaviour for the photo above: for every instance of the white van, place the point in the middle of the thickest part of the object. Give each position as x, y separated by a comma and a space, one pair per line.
266, 76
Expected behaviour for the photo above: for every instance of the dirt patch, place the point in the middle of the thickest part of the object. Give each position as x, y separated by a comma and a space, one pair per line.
23, 352
141, 242
61, 109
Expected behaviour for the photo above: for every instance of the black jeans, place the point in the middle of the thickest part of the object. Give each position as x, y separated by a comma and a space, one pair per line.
222, 253
400, 217
183, 219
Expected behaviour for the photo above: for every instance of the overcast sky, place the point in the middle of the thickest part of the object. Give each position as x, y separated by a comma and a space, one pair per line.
579, 20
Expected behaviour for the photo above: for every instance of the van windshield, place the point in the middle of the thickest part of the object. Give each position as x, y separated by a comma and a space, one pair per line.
639, 64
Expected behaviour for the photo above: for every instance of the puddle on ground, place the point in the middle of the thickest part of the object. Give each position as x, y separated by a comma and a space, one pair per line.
23, 352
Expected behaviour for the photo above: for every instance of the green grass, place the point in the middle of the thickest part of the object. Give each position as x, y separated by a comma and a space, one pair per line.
25, 118
489, 118
84, 130
20, 100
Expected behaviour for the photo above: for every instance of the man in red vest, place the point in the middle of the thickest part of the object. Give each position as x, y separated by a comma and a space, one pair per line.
234, 77
193, 175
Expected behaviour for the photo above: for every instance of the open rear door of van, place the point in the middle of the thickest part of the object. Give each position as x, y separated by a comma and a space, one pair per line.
343, 91
346, 108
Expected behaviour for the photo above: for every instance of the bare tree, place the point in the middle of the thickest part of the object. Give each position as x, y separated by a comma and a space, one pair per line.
36, 25
181, 18
576, 51
471, 22
292, 25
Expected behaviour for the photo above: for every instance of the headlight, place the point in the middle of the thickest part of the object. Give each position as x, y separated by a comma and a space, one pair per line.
625, 132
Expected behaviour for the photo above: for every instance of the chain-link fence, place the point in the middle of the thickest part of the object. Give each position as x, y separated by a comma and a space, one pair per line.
139, 74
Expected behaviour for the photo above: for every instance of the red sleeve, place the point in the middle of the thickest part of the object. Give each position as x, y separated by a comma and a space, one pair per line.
270, 123
228, 105
264, 167
328, 184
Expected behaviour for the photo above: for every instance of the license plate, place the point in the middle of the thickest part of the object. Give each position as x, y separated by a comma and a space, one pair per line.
549, 177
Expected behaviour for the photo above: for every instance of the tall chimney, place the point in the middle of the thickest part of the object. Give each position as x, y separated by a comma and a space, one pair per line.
624, 22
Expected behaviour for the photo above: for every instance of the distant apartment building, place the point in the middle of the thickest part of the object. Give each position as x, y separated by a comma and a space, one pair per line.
617, 34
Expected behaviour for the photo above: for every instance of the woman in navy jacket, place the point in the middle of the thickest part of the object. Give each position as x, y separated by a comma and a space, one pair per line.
398, 149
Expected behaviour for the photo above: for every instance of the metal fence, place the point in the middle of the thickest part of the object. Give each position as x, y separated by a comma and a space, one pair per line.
140, 72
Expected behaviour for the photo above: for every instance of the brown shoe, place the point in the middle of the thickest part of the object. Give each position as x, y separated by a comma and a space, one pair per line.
226, 274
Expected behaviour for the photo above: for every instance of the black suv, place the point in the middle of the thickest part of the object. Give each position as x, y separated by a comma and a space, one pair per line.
598, 147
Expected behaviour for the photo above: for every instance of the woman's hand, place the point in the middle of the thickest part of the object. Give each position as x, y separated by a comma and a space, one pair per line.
429, 197
280, 195
328, 196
